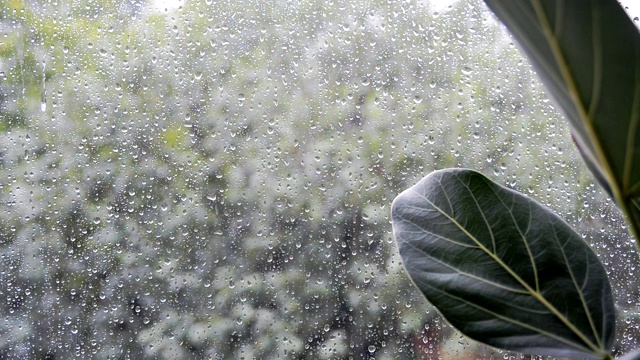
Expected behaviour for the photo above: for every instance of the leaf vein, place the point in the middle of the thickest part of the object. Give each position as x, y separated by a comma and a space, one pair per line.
632, 134
512, 321
580, 288
484, 218
596, 37
467, 274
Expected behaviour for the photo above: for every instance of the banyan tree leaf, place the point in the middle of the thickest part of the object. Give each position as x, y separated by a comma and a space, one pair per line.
587, 53
502, 268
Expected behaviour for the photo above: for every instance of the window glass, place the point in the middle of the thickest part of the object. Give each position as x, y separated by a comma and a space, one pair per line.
212, 179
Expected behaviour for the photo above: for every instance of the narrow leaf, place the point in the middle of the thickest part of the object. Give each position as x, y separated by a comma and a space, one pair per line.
587, 53
502, 268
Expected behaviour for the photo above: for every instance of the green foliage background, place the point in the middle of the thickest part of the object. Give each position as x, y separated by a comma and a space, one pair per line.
215, 181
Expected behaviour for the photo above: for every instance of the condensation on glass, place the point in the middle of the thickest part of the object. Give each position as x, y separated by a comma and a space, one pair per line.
212, 179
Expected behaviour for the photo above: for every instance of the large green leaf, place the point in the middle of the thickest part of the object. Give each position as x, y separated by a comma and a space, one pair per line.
502, 268
587, 53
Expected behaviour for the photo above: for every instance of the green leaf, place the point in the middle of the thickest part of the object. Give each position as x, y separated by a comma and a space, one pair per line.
587, 53
502, 268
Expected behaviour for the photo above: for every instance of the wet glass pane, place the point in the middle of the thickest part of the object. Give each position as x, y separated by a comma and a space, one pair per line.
212, 179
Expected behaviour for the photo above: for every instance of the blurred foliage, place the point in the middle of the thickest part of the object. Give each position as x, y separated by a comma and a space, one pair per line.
214, 180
